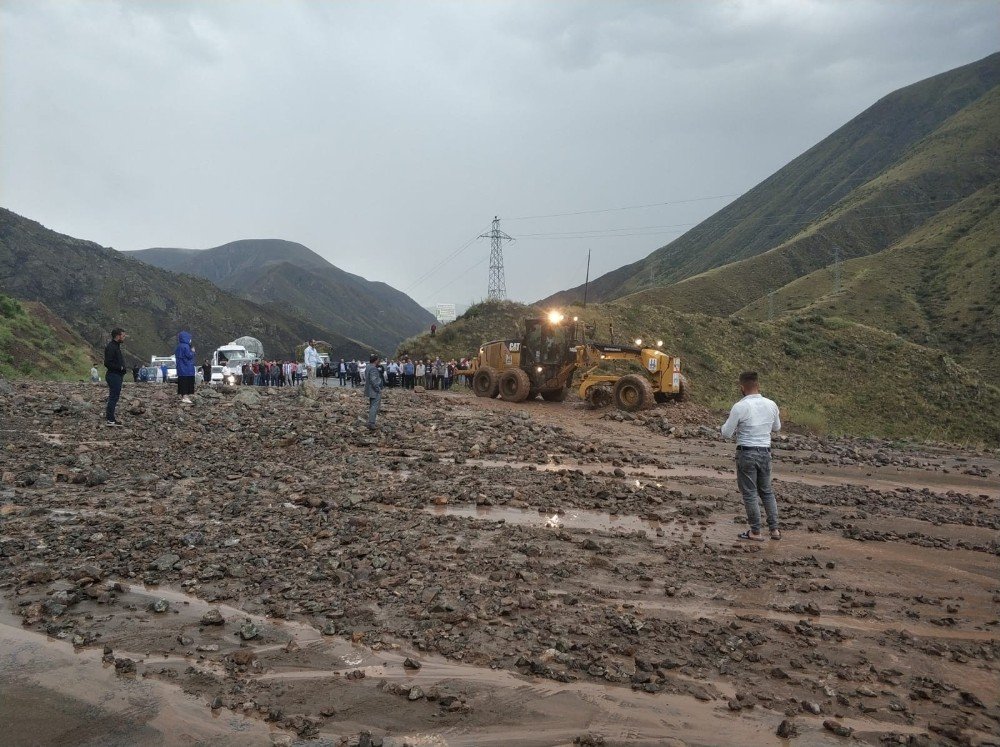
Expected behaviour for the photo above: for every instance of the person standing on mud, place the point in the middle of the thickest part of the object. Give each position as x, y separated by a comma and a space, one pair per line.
184, 356
373, 389
752, 420
114, 363
312, 362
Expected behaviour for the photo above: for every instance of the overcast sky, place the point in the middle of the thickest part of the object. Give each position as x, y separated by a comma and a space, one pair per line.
385, 136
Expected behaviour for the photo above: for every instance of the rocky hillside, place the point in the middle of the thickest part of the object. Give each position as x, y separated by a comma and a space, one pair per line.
95, 288
831, 375
36, 343
856, 175
270, 270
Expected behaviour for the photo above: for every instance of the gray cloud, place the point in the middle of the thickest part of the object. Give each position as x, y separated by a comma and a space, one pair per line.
385, 135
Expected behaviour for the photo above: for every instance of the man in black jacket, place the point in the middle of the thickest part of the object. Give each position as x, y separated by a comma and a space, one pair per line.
114, 362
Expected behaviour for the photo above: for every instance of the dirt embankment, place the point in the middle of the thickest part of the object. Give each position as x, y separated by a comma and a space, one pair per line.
480, 573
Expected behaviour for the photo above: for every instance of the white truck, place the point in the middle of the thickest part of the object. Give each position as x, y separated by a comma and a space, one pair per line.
157, 362
232, 357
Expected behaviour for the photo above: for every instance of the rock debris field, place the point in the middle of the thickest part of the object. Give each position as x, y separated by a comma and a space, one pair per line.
259, 569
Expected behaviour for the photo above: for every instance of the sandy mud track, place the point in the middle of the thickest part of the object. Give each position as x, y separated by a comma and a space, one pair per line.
557, 574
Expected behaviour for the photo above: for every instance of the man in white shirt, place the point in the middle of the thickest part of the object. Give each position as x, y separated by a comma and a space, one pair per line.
312, 360
752, 420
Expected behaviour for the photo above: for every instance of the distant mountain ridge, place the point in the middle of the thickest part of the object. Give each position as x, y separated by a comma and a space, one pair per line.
802, 191
288, 273
94, 288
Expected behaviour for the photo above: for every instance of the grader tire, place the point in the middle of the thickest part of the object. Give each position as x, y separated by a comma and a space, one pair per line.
514, 385
485, 382
633, 393
556, 395
599, 396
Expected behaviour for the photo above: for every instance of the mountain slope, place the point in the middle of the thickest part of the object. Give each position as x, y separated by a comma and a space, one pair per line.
819, 370
937, 286
800, 192
950, 164
291, 274
95, 288
35, 342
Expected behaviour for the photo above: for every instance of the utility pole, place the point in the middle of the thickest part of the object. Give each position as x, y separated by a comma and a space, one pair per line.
498, 285
586, 283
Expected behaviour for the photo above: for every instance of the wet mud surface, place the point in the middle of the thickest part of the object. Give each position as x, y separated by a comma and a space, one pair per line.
258, 569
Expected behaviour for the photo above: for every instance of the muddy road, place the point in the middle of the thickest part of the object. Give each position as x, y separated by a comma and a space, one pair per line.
258, 569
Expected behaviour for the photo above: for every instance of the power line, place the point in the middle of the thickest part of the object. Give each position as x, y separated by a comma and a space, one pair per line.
440, 264
587, 236
983, 160
459, 277
583, 233
626, 207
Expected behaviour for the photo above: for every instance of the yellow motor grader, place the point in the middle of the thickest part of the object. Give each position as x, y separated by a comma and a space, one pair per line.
544, 360
660, 381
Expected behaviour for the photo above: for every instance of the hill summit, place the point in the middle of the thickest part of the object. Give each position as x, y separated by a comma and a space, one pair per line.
290, 274
94, 288
866, 163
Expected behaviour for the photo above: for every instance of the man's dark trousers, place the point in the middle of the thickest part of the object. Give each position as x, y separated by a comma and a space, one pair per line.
114, 379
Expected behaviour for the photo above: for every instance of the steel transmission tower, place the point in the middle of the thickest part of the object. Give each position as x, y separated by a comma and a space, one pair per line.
498, 286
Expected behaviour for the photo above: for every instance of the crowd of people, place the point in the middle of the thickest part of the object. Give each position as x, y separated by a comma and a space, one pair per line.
273, 373
405, 373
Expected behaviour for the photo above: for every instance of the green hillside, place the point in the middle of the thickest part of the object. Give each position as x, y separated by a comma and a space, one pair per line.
956, 160
937, 286
804, 190
828, 374
95, 288
285, 272
35, 343
490, 320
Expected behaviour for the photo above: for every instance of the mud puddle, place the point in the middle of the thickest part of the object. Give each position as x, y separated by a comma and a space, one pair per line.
54, 695
660, 531
548, 713
988, 488
76, 699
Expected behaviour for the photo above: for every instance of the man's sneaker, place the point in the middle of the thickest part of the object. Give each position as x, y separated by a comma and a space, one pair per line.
112, 424
186, 401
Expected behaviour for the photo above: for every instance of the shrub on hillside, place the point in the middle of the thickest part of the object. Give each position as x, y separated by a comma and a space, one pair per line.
9, 308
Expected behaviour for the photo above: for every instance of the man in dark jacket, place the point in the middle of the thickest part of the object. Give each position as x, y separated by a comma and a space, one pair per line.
114, 363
